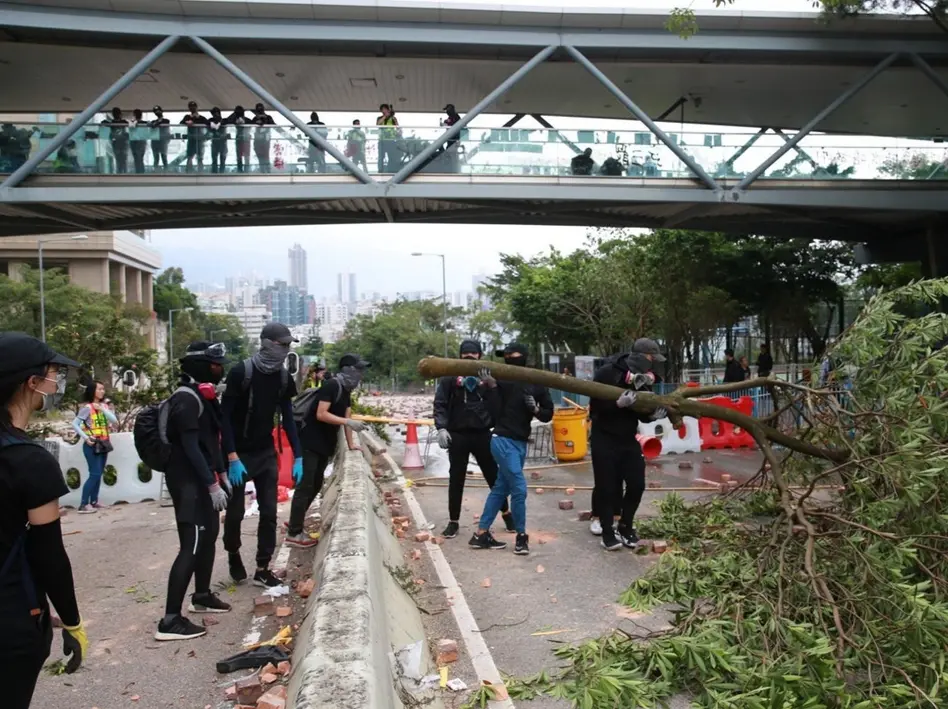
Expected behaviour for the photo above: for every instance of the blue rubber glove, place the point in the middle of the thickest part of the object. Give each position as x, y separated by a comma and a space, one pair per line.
236, 472
297, 471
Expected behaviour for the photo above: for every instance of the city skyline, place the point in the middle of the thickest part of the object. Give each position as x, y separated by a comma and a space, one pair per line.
298, 274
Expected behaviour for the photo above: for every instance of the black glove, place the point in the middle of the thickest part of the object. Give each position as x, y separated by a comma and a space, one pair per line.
530, 402
75, 642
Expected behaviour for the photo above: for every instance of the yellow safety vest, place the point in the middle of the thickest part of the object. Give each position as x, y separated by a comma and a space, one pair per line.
388, 133
98, 425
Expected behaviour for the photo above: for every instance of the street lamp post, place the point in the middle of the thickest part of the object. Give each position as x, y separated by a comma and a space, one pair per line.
444, 295
171, 313
42, 293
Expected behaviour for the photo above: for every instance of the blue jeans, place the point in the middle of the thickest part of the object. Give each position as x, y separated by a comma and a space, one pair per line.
96, 462
510, 456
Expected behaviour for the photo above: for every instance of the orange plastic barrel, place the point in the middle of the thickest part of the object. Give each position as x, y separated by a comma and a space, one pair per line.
569, 434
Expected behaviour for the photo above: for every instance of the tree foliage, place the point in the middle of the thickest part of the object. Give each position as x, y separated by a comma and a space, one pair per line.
787, 597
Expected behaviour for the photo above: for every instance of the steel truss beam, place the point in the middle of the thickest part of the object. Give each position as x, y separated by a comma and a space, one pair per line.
813, 123
83, 118
308, 130
643, 117
421, 158
82, 21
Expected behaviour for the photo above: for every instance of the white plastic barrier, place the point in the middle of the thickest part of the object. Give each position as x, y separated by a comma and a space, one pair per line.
123, 459
687, 439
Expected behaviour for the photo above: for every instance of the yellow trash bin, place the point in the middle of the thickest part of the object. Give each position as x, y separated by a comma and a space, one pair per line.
569, 434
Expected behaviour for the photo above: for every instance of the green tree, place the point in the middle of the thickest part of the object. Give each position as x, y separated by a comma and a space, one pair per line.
224, 327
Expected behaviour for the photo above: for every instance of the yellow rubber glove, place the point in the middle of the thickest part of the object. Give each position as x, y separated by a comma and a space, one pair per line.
75, 643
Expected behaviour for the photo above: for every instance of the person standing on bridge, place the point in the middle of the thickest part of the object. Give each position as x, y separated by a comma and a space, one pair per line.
198, 487
160, 138
316, 156
256, 390
617, 459
512, 411
217, 128
34, 566
242, 138
261, 136
197, 132
462, 414
118, 138
389, 157
355, 145
322, 413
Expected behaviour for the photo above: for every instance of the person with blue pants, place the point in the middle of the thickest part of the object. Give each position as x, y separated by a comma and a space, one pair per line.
92, 425
515, 405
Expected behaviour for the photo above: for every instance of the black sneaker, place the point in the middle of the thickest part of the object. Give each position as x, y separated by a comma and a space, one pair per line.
610, 543
522, 546
207, 603
485, 541
180, 628
628, 537
264, 578
451, 531
508, 521
237, 570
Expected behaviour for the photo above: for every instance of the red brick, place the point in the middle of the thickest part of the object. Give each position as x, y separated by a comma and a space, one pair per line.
566, 504
415, 554
540, 491
446, 658
535, 475
399, 520
284, 668
268, 668
585, 515
231, 693
654, 484
388, 494
262, 605
422, 537
268, 677
570, 491
659, 546
685, 465
447, 645
400, 533
725, 478
274, 699
437, 540
306, 588
249, 690
283, 611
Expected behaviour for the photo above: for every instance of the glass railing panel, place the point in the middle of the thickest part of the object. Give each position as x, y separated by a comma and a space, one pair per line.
127, 149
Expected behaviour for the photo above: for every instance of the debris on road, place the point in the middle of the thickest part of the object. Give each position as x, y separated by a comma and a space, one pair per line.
659, 546
566, 504
456, 685
263, 606
685, 465
283, 611
485, 583
571, 491
306, 588
540, 568
249, 690
585, 515
447, 652
415, 554
422, 537
539, 490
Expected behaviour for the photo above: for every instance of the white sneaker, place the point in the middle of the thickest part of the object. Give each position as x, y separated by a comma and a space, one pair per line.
596, 527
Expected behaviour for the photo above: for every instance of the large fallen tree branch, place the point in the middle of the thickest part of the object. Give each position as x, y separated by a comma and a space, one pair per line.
678, 404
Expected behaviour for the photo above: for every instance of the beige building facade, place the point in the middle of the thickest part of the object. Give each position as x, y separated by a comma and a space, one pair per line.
120, 263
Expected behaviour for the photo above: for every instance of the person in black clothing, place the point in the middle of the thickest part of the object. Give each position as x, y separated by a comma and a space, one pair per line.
512, 409
160, 138
138, 141
733, 372
34, 565
198, 487
463, 419
197, 132
256, 389
316, 156
261, 137
583, 163
616, 454
217, 129
332, 408
118, 137
765, 361
242, 138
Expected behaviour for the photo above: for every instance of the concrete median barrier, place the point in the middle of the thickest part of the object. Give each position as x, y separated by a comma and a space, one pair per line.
361, 614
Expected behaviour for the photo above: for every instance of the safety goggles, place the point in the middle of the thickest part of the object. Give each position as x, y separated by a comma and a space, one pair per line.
216, 351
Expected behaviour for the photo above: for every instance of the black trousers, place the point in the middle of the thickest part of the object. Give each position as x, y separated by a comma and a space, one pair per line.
262, 469
314, 469
138, 156
218, 154
18, 675
618, 479
195, 558
464, 444
120, 151
159, 152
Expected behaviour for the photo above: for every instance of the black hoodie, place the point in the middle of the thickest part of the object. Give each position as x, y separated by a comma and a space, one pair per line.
619, 426
511, 416
457, 409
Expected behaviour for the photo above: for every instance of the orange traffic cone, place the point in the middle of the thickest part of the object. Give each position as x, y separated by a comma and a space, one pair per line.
651, 446
412, 459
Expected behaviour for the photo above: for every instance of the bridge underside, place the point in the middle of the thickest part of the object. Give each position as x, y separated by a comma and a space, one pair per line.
849, 210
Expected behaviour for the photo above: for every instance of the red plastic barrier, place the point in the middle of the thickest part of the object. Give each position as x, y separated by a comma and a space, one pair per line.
728, 436
284, 459
651, 446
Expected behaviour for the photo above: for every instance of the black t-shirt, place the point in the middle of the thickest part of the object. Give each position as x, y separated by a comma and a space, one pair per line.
197, 125
30, 477
185, 415
266, 403
318, 436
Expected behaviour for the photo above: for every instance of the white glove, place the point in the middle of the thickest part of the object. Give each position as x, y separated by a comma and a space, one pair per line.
659, 413
218, 497
444, 439
626, 399
357, 426
225, 484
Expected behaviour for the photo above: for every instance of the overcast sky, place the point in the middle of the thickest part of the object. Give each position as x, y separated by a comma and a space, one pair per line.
379, 255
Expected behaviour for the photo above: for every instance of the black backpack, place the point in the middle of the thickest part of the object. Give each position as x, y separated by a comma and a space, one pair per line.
304, 404
151, 431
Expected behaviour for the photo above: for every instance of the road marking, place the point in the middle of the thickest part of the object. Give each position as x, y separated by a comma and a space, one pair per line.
471, 634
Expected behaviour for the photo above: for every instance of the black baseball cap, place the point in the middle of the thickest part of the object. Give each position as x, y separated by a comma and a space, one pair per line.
449, 107
471, 347
157, 109
277, 332
644, 345
353, 360
20, 353
513, 348
192, 103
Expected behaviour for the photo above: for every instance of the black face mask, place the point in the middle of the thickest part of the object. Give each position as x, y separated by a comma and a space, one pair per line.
516, 361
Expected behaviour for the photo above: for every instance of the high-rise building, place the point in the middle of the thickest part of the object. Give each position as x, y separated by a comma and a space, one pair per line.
297, 257
287, 304
346, 289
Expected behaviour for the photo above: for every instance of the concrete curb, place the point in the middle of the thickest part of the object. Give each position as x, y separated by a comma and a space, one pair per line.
360, 614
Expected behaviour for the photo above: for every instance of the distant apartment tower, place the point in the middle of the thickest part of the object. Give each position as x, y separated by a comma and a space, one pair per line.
287, 304
346, 288
297, 257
